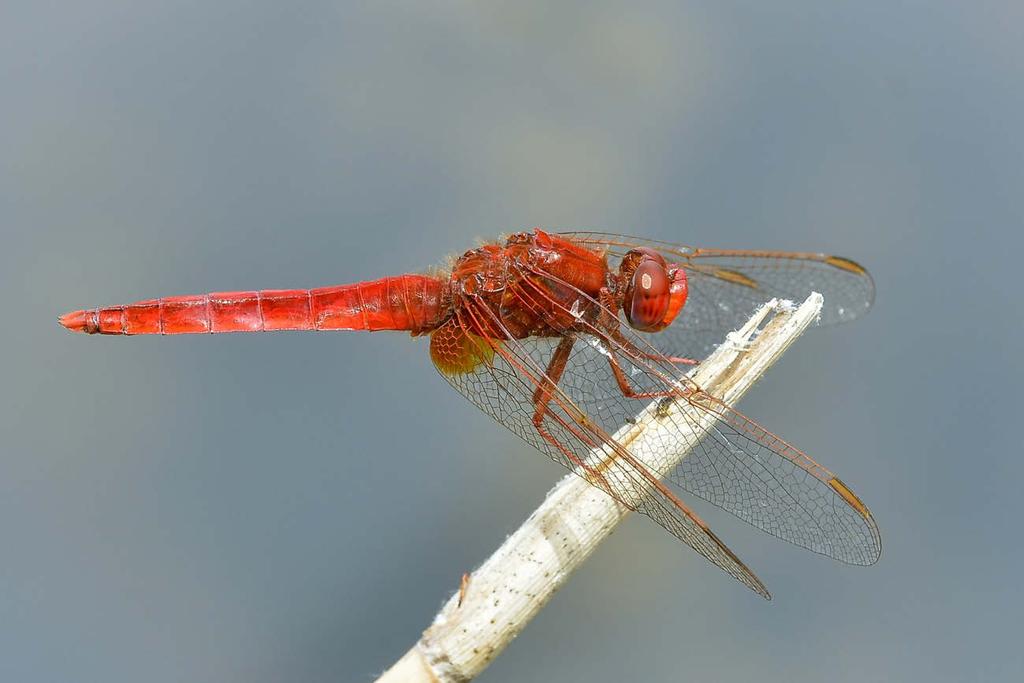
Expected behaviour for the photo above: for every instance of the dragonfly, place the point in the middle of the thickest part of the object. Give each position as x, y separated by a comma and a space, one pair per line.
563, 338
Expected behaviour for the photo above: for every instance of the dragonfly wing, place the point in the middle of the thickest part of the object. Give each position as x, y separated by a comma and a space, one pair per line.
738, 465
502, 378
726, 286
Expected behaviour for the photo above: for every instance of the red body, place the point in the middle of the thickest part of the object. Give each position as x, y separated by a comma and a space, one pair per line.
490, 275
529, 330
412, 303
406, 302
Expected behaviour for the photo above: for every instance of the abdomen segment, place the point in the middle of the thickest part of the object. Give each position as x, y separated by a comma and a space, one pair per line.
408, 302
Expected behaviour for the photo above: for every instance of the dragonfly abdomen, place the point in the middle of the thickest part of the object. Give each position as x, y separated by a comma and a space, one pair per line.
412, 303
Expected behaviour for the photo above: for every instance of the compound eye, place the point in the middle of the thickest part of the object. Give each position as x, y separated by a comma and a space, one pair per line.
648, 254
647, 296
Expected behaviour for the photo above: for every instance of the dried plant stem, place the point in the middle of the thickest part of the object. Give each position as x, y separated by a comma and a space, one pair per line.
512, 586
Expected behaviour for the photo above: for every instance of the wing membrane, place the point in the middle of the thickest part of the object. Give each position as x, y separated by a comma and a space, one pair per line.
503, 385
726, 286
738, 466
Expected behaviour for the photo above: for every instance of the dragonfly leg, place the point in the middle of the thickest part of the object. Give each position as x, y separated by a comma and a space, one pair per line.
678, 360
632, 348
627, 389
556, 366
542, 397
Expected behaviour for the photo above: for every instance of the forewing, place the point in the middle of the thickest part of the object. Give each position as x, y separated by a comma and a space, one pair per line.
738, 466
503, 378
726, 286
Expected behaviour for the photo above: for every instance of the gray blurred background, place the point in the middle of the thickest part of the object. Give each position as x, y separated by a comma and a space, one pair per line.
297, 506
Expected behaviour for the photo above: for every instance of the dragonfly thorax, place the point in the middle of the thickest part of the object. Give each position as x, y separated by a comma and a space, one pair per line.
534, 285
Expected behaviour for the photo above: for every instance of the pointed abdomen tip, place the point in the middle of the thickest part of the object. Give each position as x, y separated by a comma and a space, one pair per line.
80, 321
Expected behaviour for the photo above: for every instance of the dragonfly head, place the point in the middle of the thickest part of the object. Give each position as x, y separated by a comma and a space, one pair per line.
655, 290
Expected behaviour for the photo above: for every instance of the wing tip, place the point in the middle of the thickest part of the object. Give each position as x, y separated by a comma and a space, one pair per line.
844, 492
847, 264
874, 552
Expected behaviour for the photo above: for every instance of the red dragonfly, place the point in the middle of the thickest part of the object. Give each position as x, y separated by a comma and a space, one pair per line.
548, 334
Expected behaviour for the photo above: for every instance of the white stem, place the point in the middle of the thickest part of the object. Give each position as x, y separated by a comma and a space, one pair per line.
512, 586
